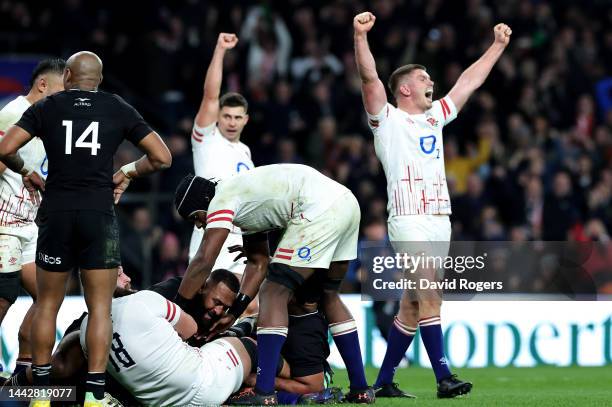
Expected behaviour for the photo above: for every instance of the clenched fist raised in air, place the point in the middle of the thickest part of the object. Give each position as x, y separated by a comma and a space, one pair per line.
363, 22
502, 34
227, 41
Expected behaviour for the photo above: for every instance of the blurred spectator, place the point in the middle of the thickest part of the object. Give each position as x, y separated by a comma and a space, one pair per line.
458, 168
560, 211
269, 45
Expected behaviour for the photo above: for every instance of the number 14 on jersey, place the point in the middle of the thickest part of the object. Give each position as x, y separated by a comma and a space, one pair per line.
81, 141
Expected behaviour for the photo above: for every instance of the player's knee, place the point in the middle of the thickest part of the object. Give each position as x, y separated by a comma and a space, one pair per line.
99, 309
408, 312
429, 307
282, 275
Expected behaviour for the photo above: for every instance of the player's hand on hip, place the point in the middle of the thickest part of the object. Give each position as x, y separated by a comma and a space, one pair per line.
227, 41
363, 22
34, 183
121, 182
502, 34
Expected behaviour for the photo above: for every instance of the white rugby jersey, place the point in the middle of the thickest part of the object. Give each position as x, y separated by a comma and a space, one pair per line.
16, 209
271, 197
410, 148
214, 156
147, 355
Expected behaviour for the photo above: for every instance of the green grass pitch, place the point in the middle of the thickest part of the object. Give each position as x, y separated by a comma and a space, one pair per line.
539, 386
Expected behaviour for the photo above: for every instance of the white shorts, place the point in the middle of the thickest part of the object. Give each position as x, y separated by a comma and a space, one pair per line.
330, 237
222, 359
225, 260
18, 248
416, 233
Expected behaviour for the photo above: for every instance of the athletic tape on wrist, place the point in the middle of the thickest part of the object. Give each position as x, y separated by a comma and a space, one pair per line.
129, 168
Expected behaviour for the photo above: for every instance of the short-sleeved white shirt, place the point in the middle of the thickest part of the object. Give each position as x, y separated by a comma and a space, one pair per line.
270, 197
214, 156
410, 148
17, 211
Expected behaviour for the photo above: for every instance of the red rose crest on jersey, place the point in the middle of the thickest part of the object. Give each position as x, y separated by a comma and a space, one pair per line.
432, 121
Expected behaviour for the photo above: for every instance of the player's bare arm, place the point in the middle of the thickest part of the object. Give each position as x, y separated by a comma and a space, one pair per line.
13, 140
258, 256
200, 267
257, 253
157, 157
298, 385
209, 107
474, 76
186, 326
373, 90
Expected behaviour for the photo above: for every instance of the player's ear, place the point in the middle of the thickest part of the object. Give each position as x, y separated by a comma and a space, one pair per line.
101, 78
246, 118
42, 85
67, 77
404, 90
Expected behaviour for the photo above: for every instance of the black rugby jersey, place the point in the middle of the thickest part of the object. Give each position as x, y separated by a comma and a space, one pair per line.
81, 131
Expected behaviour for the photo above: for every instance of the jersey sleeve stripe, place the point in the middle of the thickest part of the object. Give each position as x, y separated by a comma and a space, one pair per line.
167, 310
280, 249
222, 211
193, 136
197, 134
173, 306
224, 219
445, 108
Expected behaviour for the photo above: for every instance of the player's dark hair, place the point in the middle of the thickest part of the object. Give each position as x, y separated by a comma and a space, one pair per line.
226, 277
233, 99
401, 72
49, 65
193, 194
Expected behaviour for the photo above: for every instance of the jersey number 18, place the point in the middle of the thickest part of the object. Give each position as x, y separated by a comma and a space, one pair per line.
120, 354
81, 143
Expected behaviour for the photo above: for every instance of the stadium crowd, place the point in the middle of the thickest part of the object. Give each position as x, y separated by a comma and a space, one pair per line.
530, 157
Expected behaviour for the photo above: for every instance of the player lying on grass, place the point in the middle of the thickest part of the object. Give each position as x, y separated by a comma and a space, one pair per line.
320, 220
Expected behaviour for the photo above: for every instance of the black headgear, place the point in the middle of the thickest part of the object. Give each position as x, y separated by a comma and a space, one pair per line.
193, 194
